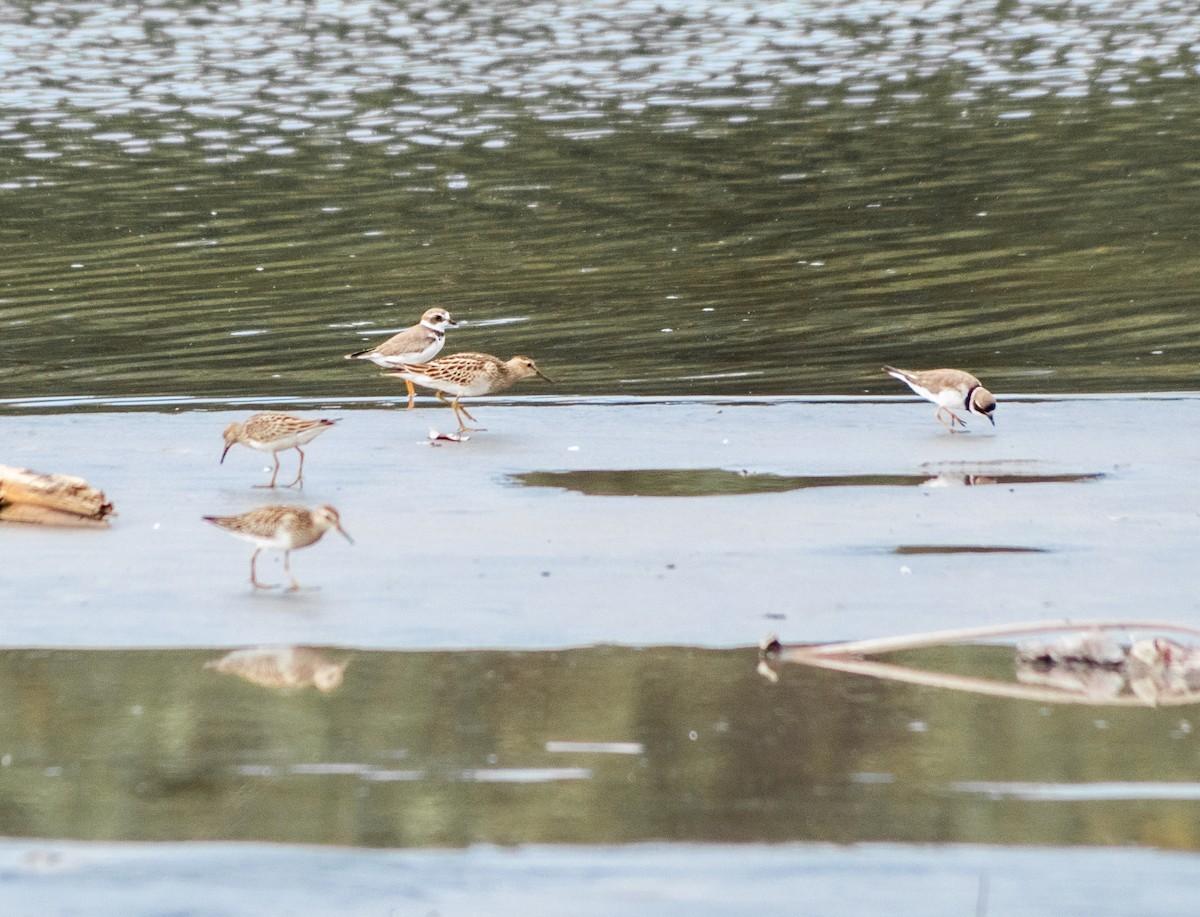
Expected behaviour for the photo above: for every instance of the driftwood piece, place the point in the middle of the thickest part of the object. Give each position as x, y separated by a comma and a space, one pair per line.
50, 499
1070, 669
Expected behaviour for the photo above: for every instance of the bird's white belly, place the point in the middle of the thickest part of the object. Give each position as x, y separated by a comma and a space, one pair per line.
280, 541
274, 445
395, 360
290, 441
950, 398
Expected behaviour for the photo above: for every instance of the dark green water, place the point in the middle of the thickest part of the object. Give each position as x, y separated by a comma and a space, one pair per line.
222, 202
600, 745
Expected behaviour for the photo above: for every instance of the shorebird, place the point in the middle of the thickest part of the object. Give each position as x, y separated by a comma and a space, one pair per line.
418, 344
468, 374
273, 432
280, 528
950, 390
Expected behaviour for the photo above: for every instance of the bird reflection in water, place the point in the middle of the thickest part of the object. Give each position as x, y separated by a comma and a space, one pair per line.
959, 479
1090, 663
285, 667
1083, 664
1161, 670
1156, 671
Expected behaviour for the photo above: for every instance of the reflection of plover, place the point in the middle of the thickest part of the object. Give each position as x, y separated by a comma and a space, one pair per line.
417, 344
282, 667
468, 374
280, 528
271, 432
950, 390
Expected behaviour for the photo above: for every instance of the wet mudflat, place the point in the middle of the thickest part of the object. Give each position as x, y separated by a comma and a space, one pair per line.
1069, 508
661, 879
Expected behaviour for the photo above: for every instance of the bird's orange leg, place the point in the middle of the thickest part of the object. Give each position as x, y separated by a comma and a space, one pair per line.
954, 419
299, 474
253, 575
459, 412
271, 486
287, 567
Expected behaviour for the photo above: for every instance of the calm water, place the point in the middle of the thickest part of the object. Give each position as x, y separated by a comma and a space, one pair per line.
601, 745
221, 201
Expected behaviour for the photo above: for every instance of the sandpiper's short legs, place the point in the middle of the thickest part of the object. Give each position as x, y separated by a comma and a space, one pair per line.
412, 395
461, 409
287, 568
459, 413
299, 482
253, 575
271, 486
280, 528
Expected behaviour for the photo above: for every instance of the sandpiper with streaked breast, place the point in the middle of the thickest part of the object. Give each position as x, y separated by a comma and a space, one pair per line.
274, 432
468, 374
280, 528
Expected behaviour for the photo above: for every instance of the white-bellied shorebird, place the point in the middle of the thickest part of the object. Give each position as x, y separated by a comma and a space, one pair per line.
950, 390
280, 528
468, 374
273, 432
418, 344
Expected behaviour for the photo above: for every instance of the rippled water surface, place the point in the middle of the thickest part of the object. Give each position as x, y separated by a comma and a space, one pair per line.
653, 199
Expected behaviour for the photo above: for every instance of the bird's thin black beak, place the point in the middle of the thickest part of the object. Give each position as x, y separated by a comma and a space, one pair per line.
225, 453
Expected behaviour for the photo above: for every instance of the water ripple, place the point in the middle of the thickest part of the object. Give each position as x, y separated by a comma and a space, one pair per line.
679, 197
288, 67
